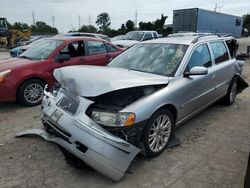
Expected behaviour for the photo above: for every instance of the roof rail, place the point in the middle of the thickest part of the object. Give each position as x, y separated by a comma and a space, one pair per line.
196, 39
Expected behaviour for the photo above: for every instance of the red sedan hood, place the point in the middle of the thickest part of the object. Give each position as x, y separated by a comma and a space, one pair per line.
13, 63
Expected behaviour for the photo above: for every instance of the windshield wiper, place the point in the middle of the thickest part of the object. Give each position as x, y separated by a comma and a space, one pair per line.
25, 57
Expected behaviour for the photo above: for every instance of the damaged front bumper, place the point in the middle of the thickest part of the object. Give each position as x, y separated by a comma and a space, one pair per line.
82, 137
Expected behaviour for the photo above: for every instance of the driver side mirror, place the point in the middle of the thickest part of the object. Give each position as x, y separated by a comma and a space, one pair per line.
196, 71
62, 57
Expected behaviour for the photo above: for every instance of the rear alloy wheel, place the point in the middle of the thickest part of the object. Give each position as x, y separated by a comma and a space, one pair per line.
31, 92
157, 133
231, 93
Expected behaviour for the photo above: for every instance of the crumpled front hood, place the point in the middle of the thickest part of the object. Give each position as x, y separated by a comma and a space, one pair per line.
125, 42
91, 81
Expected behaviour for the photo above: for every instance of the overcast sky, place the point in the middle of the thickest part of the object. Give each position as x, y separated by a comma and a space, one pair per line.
66, 12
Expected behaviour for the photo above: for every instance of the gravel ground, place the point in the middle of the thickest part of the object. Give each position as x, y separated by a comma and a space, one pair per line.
213, 152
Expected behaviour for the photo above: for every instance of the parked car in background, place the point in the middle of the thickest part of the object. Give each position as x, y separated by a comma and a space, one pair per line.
106, 115
24, 41
23, 78
81, 34
133, 37
14, 52
119, 37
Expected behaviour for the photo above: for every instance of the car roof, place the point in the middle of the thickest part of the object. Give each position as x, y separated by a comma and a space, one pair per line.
187, 40
69, 38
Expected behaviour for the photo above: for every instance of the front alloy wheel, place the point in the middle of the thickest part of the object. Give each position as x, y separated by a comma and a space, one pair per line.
30, 92
157, 133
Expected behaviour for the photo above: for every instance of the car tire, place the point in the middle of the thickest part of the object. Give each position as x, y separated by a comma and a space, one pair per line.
30, 93
155, 130
231, 93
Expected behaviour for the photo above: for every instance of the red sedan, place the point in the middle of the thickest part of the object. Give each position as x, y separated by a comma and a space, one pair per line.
23, 78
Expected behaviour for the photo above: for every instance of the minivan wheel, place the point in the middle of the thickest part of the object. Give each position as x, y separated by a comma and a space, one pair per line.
30, 92
157, 133
231, 93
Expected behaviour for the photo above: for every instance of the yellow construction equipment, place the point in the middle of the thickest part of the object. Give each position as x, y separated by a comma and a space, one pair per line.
10, 37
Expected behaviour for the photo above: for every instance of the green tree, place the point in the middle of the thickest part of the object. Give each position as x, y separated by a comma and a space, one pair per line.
88, 28
122, 30
246, 22
103, 21
157, 25
42, 28
19, 26
130, 26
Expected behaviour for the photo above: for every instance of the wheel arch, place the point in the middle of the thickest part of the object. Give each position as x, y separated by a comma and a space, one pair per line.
171, 108
30, 78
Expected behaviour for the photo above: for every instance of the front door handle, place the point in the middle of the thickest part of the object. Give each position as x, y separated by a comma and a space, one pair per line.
213, 76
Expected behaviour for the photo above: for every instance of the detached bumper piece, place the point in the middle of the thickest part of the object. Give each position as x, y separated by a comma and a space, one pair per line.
103, 153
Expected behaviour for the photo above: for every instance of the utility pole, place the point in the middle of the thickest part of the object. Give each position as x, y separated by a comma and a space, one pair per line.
53, 20
33, 17
89, 20
136, 16
79, 21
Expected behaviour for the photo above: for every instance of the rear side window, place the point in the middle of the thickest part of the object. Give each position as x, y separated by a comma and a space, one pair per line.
96, 47
148, 36
111, 48
219, 51
155, 35
200, 57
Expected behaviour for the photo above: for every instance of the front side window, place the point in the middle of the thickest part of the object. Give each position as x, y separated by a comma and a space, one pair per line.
200, 57
161, 59
42, 49
219, 51
96, 47
74, 49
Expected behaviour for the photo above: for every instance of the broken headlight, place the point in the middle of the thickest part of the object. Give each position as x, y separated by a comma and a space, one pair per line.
113, 119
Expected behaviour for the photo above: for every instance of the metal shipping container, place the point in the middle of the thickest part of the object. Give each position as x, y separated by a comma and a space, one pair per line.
200, 20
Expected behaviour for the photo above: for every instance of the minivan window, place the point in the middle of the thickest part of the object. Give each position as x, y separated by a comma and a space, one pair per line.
200, 57
219, 51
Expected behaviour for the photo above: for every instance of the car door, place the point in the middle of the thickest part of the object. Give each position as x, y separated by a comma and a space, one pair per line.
76, 52
97, 53
197, 91
224, 67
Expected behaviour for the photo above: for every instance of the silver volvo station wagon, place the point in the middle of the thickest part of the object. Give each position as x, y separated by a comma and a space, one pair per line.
105, 116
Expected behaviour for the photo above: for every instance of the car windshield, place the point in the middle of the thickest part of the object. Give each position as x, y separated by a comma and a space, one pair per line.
41, 50
134, 36
161, 59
